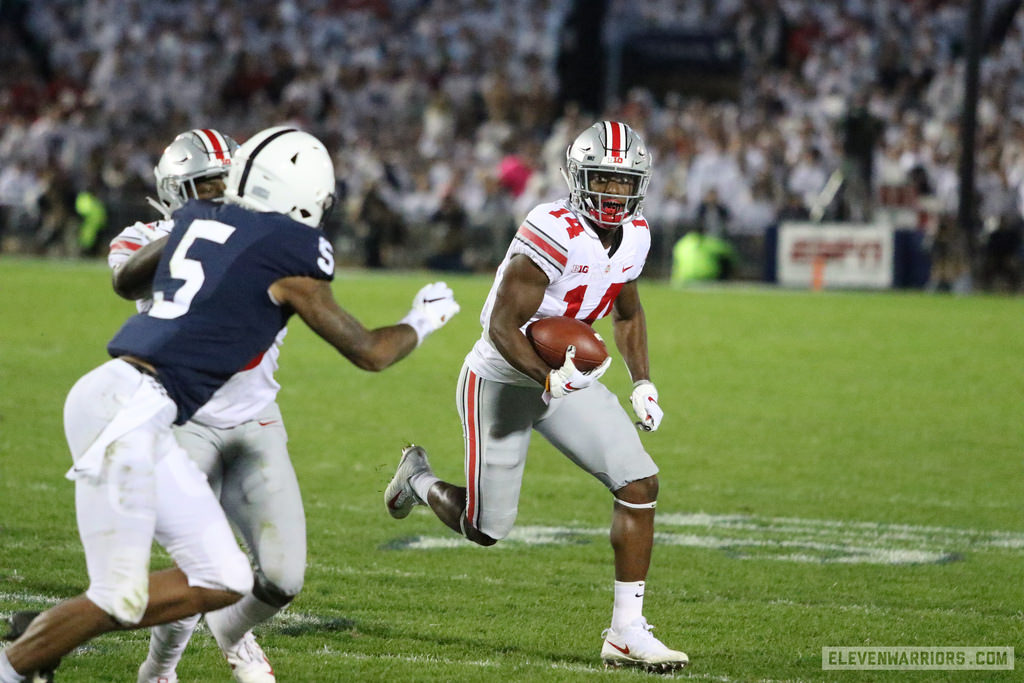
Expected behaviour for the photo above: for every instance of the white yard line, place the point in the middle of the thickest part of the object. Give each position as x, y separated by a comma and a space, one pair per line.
488, 663
789, 539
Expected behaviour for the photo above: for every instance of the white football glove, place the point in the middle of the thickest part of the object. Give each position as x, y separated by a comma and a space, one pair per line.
432, 307
645, 405
568, 378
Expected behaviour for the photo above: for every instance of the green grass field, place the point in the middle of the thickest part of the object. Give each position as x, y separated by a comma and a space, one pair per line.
838, 469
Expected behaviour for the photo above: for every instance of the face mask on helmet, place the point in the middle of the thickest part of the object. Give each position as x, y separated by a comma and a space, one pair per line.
283, 170
192, 157
607, 169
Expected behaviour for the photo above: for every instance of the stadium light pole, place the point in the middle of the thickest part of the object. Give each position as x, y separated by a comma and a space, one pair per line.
969, 125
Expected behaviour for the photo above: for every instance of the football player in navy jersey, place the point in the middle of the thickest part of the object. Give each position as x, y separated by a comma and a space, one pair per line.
238, 438
230, 277
580, 257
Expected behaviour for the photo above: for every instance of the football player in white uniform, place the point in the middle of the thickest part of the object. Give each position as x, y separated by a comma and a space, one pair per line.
578, 257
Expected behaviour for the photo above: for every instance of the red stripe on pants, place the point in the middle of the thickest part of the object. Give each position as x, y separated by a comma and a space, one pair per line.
472, 450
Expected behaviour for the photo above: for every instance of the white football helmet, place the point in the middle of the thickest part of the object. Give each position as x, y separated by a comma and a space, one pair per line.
612, 148
197, 154
285, 170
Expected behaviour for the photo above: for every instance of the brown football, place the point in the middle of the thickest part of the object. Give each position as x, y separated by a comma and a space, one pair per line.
552, 336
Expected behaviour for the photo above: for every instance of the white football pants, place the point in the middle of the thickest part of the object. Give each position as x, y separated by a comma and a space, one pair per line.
588, 426
134, 486
249, 468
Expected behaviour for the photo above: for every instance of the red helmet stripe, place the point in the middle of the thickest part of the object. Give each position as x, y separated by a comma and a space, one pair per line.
616, 136
220, 150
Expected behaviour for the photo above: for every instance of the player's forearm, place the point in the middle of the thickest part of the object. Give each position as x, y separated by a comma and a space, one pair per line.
133, 279
516, 349
631, 340
387, 346
371, 350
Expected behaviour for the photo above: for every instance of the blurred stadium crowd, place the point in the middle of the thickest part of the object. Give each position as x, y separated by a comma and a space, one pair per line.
449, 119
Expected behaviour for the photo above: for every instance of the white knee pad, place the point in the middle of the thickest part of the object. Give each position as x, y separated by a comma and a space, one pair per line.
122, 591
233, 573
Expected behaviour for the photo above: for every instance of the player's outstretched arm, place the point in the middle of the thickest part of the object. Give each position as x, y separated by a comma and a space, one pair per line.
518, 297
133, 279
372, 350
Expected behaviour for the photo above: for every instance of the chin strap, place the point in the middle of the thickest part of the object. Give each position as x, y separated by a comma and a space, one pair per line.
159, 206
637, 506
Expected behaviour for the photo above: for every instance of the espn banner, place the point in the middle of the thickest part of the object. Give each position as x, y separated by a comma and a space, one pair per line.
835, 255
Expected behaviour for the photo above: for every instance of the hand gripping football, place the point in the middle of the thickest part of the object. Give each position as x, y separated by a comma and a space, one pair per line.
550, 338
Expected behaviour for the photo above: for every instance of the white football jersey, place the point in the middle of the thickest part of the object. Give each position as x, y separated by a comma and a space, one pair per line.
129, 241
249, 391
583, 279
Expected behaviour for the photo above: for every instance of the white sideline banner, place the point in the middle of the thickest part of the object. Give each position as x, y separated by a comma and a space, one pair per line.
829, 255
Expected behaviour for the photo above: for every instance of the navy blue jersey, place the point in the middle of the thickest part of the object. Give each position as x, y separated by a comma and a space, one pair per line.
212, 313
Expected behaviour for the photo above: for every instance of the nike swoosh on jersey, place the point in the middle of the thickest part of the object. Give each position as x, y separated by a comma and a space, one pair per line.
264, 423
625, 268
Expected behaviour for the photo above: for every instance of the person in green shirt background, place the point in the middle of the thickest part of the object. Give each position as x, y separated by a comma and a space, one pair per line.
94, 220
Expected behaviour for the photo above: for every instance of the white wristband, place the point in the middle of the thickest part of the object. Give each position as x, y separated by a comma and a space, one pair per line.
419, 323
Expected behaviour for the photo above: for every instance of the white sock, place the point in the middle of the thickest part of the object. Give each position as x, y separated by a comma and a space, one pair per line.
167, 643
228, 625
421, 483
629, 603
7, 672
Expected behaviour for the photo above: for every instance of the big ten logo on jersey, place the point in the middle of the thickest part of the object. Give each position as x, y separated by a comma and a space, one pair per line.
326, 259
580, 268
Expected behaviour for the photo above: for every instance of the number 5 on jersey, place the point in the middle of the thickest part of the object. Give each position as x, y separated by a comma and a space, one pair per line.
189, 270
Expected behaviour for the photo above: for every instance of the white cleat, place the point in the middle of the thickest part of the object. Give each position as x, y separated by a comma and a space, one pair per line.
248, 663
634, 646
146, 675
399, 498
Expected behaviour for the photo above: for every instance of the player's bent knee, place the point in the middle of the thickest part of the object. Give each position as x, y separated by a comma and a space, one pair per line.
479, 537
280, 577
126, 607
642, 493
475, 535
237, 577
121, 586
230, 573
273, 594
